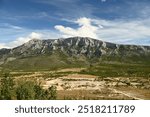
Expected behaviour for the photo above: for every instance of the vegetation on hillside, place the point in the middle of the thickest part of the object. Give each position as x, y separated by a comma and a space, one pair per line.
43, 62
24, 90
118, 70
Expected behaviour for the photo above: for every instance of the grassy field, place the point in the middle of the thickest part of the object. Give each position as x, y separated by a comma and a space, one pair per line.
118, 70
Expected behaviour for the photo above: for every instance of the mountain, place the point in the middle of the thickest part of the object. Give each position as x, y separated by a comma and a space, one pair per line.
67, 52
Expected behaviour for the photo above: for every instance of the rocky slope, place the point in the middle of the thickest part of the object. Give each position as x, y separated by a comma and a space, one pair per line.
75, 47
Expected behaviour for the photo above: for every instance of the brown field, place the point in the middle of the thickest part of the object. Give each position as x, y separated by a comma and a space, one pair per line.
71, 84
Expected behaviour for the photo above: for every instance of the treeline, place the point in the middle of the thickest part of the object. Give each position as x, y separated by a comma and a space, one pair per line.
24, 90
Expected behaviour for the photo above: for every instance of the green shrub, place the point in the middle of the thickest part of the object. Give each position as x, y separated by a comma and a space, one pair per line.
6, 87
24, 90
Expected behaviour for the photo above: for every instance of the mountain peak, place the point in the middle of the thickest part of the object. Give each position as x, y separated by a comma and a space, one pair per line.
75, 47
33, 40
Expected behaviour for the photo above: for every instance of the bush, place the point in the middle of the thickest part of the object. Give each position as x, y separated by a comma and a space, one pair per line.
6, 87
32, 91
24, 90
52, 92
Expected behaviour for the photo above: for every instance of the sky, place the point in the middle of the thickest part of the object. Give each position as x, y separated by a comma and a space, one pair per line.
116, 21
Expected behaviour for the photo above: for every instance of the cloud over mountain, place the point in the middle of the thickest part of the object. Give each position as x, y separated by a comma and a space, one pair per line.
21, 40
85, 29
118, 31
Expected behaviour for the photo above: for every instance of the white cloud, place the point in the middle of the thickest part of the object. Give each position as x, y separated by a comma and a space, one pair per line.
38, 34
103, 0
124, 31
117, 31
21, 40
7, 25
86, 29
2, 45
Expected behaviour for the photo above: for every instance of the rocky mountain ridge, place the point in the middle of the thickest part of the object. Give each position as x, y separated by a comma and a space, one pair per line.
74, 47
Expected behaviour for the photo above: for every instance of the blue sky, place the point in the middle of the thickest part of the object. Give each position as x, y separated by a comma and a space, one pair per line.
117, 21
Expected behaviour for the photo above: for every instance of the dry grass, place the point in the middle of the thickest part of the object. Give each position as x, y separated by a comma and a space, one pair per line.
72, 85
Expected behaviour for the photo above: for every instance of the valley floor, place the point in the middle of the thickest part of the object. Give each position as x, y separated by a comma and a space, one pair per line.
72, 84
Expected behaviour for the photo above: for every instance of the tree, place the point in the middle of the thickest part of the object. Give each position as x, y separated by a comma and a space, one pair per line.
43, 94
53, 93
6, 87
33, 91
39, 92
25, 91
